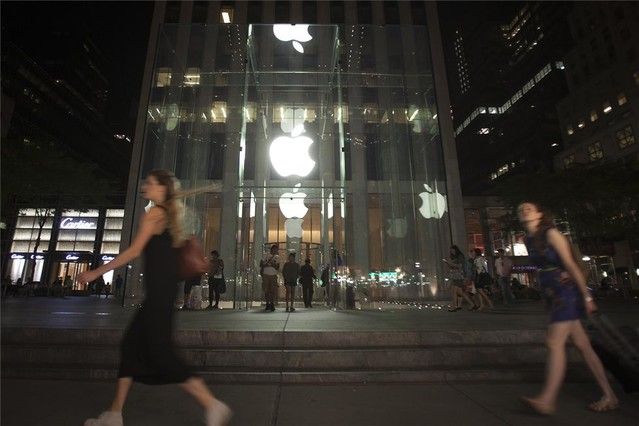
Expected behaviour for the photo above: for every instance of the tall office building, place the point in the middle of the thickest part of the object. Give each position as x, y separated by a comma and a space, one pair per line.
324, 127
599, 118
504, 98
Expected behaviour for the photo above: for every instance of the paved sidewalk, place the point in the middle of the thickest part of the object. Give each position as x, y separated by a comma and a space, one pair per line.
89, 312
64, 403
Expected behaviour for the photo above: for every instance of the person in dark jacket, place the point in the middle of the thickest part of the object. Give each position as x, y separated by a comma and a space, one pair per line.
290, 271
307, 275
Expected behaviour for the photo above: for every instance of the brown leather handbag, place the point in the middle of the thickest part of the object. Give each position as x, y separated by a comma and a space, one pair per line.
191, 259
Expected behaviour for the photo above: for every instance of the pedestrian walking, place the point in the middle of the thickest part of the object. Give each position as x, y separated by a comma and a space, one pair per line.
99, 286
148, 353
503, 269
118, 286
290, 272
482, 279
217, 284
457, 271
67, 285
307, 275
567, 295
269, 268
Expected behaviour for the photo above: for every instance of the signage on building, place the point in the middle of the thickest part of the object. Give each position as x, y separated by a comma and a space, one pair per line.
78, 223
107, 258
24, 256
72, 257
525, 268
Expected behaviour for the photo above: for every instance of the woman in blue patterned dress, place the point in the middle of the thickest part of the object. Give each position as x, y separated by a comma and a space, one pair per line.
564, 287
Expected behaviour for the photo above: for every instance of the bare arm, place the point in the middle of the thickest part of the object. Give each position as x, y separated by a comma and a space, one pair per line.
149, 226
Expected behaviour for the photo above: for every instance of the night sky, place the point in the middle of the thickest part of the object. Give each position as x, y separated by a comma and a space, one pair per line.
119, 29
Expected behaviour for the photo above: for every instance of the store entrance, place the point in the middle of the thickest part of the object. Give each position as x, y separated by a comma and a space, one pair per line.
305, 223
73, 269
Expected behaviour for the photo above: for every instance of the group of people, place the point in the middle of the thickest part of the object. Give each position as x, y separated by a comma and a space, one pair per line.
472, 282
292, 274
148, 352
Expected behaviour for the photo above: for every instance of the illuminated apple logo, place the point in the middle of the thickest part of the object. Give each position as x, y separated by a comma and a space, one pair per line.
289, 154
433, 204
292, 203
396, 227
298, 34
293, 208
293, 227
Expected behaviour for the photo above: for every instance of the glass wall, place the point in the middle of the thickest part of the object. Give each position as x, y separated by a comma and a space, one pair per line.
323, 139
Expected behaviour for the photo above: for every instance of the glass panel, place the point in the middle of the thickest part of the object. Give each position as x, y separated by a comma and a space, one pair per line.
322, 139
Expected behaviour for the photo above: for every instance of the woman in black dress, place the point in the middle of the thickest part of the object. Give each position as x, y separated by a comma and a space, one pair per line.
148, 353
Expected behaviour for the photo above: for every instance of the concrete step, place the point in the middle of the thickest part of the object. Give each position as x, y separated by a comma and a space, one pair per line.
521, 373
295, 359
279, 339
291, 357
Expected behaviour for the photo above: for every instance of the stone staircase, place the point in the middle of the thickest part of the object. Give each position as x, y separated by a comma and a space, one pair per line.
295, 357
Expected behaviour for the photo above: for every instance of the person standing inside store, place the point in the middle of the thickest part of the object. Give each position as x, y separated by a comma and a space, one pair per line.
503, 269
217, 285
568, 297
269, 268
118, 286
148, 352
290, 272
307, 275
324, 278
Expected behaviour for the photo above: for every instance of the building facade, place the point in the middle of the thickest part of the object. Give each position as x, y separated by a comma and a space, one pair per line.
331, 138
599, 118
52, 243
504, 97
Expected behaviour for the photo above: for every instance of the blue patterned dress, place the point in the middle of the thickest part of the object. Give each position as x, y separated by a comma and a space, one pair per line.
564, 300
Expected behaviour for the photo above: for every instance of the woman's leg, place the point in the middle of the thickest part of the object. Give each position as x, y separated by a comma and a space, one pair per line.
486, 298
453, 297
217, 296
292, 296
195, 387
121, 392
556, 363
581, 341
217, 413
287, 295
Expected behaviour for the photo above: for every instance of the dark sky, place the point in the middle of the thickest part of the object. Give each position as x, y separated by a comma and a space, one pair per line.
119, 29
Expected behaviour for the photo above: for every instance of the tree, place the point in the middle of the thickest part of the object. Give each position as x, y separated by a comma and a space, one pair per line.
601, 203
40, 175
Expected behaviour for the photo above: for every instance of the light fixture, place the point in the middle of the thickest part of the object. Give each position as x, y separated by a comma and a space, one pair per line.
226, 18
586, 258
484, 131
554, 144
413, 115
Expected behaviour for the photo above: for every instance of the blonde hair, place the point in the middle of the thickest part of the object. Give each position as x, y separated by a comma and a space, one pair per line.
172, 205
173, 202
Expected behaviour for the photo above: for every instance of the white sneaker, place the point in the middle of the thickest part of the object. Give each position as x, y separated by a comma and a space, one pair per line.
219, 414
108, 418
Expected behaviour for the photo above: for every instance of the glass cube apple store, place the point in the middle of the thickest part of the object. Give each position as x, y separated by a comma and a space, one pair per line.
322, 139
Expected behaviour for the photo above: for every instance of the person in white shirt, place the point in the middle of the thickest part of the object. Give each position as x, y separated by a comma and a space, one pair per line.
269, 268
504, 268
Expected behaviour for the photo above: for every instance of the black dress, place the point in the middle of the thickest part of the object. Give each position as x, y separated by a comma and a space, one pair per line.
148, 353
